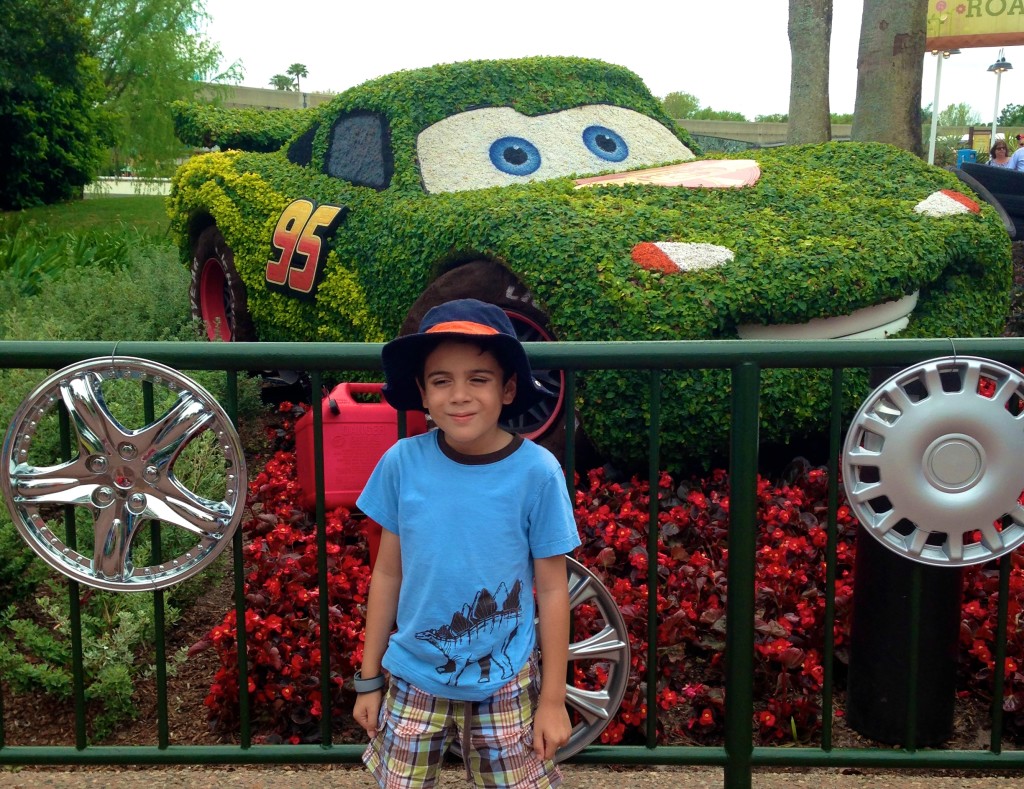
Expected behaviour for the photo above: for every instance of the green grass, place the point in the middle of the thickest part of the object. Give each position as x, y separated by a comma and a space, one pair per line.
145, 213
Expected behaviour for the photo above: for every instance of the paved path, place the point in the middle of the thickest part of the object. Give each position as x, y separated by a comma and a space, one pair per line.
576, 777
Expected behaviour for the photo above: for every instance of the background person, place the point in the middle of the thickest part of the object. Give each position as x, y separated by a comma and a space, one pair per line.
999, 154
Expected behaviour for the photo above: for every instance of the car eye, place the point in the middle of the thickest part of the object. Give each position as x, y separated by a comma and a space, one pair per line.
515, 156
605, 143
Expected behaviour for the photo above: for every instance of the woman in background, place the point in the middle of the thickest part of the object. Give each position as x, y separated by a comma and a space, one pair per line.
999, 155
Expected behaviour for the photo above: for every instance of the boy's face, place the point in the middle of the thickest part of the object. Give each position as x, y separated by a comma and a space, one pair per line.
464, 390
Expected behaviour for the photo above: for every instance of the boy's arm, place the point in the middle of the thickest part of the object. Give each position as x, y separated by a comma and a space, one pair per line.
551, 726
381, 609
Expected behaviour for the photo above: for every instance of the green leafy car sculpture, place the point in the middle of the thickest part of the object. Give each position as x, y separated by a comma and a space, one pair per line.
558, 189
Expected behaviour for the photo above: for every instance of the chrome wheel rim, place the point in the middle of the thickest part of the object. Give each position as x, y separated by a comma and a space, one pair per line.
119, 477
931, 462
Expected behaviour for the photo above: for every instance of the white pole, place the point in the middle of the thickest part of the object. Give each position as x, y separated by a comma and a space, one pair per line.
935, 108
995, 110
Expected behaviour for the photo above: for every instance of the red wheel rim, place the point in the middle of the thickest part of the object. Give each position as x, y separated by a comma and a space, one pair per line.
539, 419
213, 301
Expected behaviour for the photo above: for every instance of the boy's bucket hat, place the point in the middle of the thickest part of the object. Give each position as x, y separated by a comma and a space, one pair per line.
471, 319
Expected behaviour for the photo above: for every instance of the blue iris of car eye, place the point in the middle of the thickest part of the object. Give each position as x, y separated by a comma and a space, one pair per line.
605, 143
515, 156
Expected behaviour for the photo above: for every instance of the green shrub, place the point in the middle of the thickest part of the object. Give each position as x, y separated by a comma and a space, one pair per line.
29, 261
204, 126
99, 285
117, 634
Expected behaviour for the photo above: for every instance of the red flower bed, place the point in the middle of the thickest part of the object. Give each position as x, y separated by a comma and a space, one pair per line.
282, 611
692, 563
283, 633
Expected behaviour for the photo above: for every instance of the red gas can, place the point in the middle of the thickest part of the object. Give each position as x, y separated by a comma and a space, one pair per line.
356, 435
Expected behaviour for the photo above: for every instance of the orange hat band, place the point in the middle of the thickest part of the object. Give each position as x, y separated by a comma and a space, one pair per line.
462, 327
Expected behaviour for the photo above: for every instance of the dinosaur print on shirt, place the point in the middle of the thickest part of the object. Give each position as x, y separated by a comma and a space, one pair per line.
479, 633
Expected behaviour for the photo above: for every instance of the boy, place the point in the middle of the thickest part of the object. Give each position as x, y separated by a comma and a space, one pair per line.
474, 518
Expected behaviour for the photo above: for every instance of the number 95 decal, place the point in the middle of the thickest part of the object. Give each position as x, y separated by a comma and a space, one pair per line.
297, 255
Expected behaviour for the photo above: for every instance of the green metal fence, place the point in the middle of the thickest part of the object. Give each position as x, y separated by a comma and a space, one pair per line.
745, 360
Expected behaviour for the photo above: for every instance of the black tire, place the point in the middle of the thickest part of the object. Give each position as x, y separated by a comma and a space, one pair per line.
1009, 222
216, 293
491, 282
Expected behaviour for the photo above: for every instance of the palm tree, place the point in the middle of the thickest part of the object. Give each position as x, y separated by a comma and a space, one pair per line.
282, 82
297, 70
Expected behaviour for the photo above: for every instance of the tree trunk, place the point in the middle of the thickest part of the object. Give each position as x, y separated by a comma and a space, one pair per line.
889, 68
810, 29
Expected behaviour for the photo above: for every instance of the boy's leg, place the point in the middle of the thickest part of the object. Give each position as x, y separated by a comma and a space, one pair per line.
414, 732
500, 739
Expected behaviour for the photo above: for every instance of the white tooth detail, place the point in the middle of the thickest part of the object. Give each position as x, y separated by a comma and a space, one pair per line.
695, 256
881, 320
939, 204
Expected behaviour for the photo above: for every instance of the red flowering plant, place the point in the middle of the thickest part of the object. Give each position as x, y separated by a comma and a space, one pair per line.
282, 606
282, 609
978, 622
693, 523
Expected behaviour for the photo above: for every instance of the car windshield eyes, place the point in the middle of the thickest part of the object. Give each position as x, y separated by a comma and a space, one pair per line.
515, 156
605, 143
519, 156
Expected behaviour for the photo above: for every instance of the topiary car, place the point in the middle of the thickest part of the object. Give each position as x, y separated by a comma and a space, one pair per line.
558, 189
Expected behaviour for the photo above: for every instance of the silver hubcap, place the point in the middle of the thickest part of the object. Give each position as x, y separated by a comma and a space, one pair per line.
931, 463
123, 477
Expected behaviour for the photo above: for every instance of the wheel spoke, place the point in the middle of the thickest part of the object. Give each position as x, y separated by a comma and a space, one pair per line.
606, 645
191, 513
865, 491
97, 430
581, 589
51, 485
900, 400
163, 439
954, 547
112, 539
991, 537
918, 540
592, 705
932, 380
972, 377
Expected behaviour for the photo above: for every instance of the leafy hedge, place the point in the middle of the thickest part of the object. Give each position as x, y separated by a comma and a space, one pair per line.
827, 230
204, 126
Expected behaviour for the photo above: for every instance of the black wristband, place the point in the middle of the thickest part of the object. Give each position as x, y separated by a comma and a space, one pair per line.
367, 685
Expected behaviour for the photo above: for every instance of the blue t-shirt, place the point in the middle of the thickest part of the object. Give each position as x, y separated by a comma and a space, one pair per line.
470, 528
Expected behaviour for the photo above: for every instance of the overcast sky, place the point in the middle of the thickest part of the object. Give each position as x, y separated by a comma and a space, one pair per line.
730, 55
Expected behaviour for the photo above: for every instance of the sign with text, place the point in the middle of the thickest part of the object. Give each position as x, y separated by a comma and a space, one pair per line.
962, 24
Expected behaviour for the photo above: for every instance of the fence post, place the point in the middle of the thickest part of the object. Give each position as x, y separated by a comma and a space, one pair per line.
739, 635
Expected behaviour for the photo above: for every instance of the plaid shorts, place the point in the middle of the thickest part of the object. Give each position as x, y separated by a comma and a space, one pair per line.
415, 731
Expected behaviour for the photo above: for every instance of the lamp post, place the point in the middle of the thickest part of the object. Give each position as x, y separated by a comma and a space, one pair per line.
998, 67
939, 57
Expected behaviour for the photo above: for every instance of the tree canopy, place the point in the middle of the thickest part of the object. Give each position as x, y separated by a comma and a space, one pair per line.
50, 93
282, 82
958, 115
1012, 115
681, 105
297, 70
150, 53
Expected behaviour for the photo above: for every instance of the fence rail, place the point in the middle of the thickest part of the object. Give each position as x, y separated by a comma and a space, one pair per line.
745, 359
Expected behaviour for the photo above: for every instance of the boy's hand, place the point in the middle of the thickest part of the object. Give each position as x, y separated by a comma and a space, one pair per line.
367, 709
551, 728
